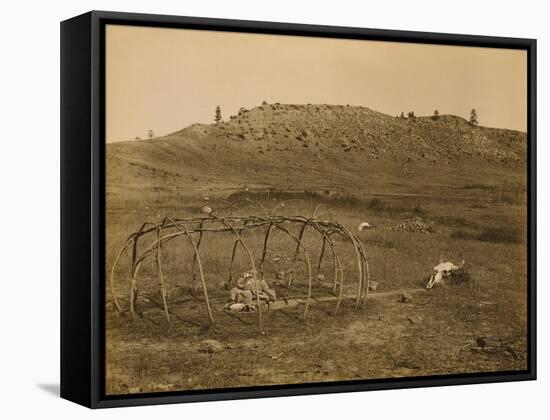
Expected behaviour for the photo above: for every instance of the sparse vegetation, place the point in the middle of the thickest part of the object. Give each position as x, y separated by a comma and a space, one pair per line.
456, 222
508, 193
465, 234
502, 234
435, 116
376, 204
460, 277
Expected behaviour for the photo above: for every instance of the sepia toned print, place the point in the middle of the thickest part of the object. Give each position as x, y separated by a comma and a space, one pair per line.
291, 210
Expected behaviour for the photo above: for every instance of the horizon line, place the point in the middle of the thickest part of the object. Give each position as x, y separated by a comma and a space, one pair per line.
139, 138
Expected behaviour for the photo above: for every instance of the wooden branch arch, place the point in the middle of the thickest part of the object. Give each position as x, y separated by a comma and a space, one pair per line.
160, 234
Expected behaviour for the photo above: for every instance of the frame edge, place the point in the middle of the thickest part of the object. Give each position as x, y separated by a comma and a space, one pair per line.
98, 18
75, 124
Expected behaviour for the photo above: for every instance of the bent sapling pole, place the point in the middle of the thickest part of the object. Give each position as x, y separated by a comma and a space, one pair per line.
157, 236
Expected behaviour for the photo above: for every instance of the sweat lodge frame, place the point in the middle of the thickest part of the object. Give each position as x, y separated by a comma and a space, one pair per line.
83, 279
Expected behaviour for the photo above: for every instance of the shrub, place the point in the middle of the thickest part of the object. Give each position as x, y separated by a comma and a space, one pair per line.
504, 235
452, 221
460, 276
418, 210
376, 204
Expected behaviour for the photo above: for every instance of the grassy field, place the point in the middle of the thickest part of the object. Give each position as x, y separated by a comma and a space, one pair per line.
435, 332
467, 183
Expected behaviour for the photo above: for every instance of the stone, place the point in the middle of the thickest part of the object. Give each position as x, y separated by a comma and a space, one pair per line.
241, 282
415, 319
237, 307
244, 296
164, 387
250, 344
405, 298
234, 292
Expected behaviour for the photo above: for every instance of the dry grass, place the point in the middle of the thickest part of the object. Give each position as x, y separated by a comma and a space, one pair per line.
432, 335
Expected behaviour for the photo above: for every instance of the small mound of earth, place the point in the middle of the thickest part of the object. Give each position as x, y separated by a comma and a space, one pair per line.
415, 225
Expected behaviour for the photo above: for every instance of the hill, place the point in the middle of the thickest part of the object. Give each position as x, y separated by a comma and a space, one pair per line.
318, 146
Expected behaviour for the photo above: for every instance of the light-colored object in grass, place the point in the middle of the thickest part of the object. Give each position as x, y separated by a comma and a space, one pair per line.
206, 210
373, 285
365, 226
237, 307
441, 271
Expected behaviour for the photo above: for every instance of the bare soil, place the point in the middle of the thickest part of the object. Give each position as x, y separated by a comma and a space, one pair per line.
434, 334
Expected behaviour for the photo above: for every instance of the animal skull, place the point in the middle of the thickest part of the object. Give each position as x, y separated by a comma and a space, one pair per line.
365, 226
441, 271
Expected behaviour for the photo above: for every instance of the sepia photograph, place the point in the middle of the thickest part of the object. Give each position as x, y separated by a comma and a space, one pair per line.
287, 210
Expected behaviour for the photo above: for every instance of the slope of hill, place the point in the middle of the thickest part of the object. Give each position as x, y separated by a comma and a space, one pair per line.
314, 146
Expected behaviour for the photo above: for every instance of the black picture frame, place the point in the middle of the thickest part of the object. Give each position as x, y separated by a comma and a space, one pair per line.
83, 199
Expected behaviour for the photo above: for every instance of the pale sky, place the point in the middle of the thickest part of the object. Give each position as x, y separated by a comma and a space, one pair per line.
166, 79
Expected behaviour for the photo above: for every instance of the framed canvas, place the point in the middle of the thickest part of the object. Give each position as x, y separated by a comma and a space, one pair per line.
254, 209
